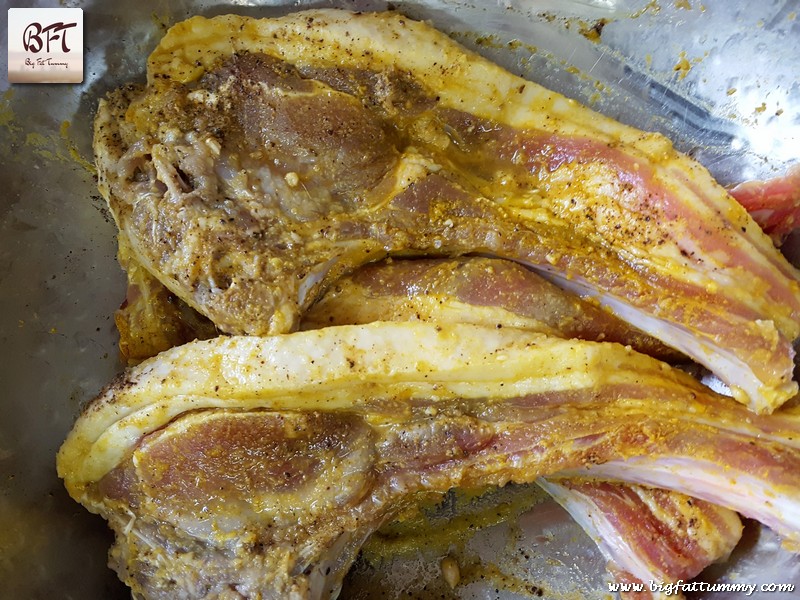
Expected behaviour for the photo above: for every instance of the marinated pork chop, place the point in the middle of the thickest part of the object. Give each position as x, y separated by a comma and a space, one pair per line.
642, 531
152, 319
483, 291
266, 158
774, 203
255, 467
465, 290
647, 534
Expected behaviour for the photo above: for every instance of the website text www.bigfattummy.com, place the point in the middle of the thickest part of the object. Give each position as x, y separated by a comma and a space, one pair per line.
677, 587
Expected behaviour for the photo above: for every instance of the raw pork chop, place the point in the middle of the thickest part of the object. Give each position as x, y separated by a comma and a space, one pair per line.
266, 158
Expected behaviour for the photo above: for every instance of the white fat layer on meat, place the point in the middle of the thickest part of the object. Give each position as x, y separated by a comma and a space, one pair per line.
334, 368
443, 65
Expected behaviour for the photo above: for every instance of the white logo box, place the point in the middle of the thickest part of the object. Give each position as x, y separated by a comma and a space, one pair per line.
45, 45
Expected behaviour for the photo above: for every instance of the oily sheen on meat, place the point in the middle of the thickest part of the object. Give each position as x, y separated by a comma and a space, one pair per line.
266, 158
646, 534
257, 466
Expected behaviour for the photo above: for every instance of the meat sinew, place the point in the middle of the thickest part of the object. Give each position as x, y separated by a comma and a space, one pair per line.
266, 158
257, 466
